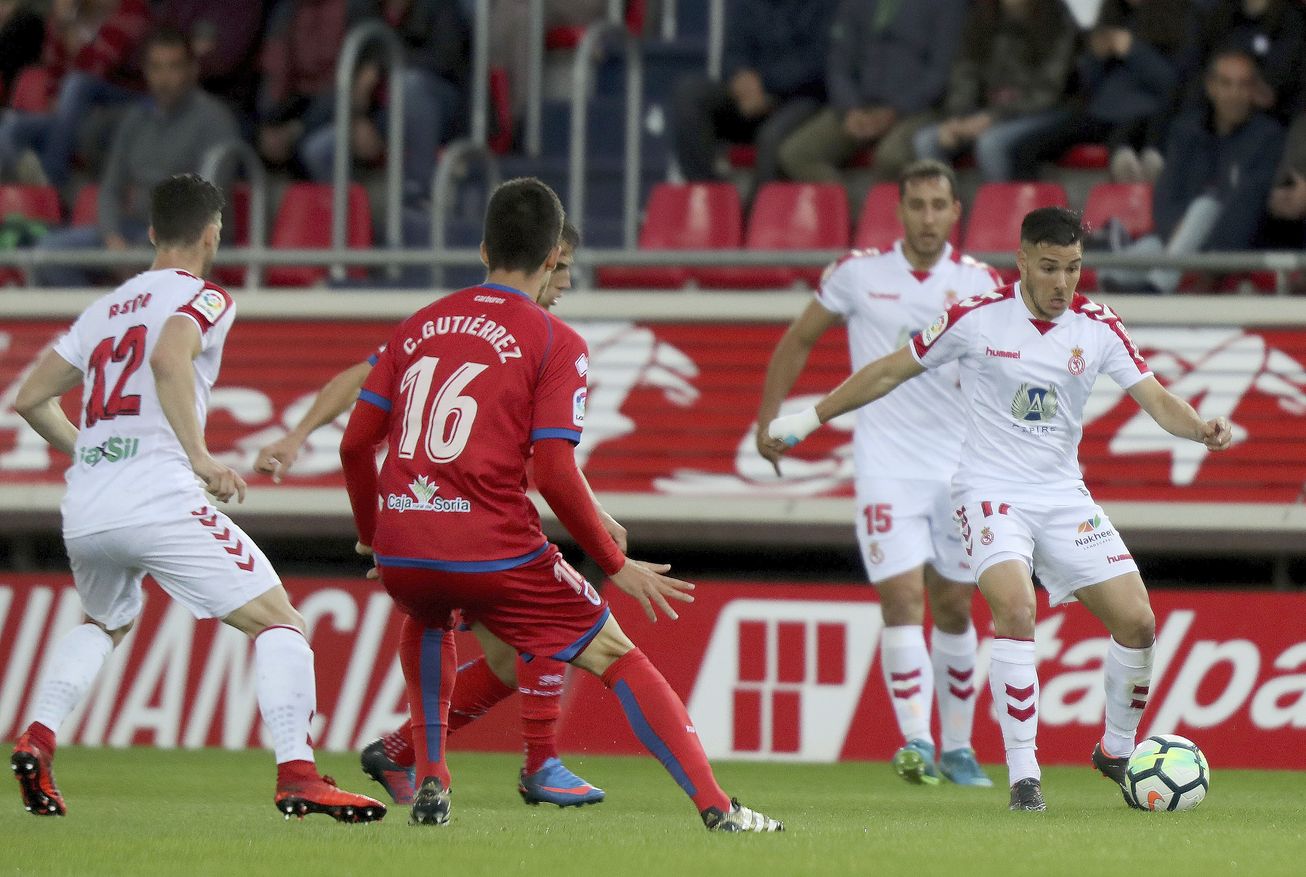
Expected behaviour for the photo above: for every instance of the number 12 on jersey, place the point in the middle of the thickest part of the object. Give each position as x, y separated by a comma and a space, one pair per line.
449, 425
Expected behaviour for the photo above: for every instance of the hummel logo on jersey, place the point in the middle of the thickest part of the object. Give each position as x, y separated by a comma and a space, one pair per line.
1036, 404
425, 500
1005, 354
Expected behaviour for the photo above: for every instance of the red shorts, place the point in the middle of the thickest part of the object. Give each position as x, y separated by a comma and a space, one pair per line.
543, 607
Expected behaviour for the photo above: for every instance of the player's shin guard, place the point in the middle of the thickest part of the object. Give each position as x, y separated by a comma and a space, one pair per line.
658, 718
909, 678
1014, 684
953, 657
1128, 683
77, 658
540, 684
429, 660
287, 690
476, 690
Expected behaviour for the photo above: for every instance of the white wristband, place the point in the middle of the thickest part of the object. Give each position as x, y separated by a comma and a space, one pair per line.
793, 428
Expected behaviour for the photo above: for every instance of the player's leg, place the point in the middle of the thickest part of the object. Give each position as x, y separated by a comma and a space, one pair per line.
210, 566
953, 646
429, 660
110, 591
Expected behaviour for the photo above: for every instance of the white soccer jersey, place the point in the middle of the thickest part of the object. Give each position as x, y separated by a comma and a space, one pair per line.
885, 302
128, 468
1025, 381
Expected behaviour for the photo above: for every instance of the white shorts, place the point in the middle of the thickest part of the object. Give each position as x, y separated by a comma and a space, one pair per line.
202, 560
1068, 540
903, 523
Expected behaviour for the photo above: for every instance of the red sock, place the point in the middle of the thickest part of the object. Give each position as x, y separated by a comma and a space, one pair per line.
429, 660
475, 691
42, 736
297, 771
540, 683
660, 721
398, 744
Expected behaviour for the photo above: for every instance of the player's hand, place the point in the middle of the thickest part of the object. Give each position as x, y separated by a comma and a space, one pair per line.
647, 584
221, 481
615, 530
770, 449
1217, 434
793, 428
277, 458
366, 551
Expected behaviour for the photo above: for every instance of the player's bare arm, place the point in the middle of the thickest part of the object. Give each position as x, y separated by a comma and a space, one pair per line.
863, 387
332, 401
172, 363
1178, 418
786, 365
38, 400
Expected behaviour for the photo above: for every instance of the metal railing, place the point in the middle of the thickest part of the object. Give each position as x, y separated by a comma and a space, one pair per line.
211, 167
355, 41
454, 161
716, 37
581, 84
481, 73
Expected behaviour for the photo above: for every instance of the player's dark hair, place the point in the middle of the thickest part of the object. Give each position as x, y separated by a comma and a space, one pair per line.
570, 235
926, 169
1057, 226
181, 207
522, 225
169, 36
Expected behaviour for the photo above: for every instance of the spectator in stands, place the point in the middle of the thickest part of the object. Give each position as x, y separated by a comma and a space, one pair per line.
297, 65
1129, 76
1220, 163
224, 34
166, 135
1286, 228
510, 36
21, 32
774, 80
437, 55
888, 66
1016, 56
88, 53
1271, 31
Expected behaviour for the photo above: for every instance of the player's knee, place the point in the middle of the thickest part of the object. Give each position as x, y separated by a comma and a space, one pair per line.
118, 633
951, 614
1014, 618
1138, 630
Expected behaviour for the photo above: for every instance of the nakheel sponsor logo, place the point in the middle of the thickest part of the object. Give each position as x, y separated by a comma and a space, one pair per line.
425, 500
111, 451
1091, 532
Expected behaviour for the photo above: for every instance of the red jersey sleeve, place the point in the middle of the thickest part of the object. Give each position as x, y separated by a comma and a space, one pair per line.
561, 392
368, 427
209, 307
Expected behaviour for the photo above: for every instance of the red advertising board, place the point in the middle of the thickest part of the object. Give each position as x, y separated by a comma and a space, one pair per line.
769, 671
671, 409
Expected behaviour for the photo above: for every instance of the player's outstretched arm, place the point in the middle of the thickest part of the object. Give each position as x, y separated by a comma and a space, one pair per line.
866, 385
332, 400
787, 363
174, 379
1178, 418
38, 400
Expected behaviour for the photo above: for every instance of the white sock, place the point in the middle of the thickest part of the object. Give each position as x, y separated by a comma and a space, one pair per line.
953, 657
909, 678
1128, 683
287, 691
77, 659
1014, 684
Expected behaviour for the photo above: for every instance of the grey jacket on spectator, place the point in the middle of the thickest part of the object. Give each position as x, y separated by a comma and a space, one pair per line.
784, 41
894, 53
150, 145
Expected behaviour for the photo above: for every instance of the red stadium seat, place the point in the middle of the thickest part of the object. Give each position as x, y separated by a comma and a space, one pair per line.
40, 203
304, 222
744, 155
878, 226
237, 234
501, 108
693, 216
1129, 203
1085, 157
999, 208
788, 216
31, 91
85, 207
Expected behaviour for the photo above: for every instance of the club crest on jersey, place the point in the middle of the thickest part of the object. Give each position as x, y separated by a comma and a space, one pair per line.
210, 303
1035, 404
876, 553
986, 536
578, 406
1077, 364
423, 499
934, 330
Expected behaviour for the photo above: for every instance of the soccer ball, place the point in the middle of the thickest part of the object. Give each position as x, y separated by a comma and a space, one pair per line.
1168, 772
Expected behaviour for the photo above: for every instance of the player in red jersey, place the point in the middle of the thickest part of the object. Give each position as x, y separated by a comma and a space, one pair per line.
468, 389
147, 356
488, 679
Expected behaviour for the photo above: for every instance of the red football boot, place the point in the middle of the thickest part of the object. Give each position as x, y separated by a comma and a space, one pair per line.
321, 795
35, 777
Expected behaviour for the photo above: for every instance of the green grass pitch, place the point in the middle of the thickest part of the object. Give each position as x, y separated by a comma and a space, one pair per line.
142, 811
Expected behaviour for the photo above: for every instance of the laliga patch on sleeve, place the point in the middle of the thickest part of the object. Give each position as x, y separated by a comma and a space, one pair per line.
934, 330
578, 406
210, 304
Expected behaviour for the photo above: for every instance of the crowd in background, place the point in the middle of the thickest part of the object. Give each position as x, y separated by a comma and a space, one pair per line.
1205, 99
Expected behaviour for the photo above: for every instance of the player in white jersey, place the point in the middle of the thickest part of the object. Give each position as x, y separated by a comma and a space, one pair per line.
146, 356
905, 449
1029, 355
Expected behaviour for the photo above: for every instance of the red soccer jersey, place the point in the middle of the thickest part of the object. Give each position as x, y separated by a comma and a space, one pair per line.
468, 383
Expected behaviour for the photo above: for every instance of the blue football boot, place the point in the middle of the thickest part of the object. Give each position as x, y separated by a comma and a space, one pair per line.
554, 784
